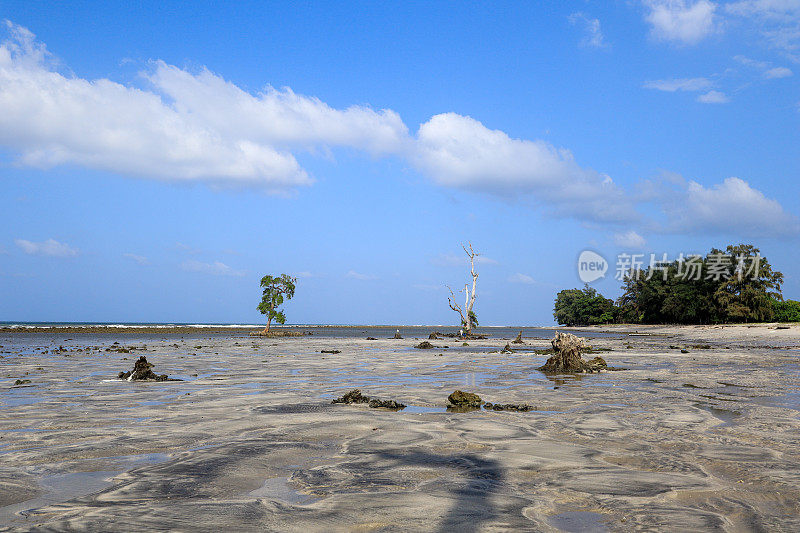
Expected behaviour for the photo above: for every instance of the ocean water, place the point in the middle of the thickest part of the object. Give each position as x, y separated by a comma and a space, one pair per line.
318, 330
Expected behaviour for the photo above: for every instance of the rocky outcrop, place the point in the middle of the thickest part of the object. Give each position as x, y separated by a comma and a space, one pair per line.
397, 335
464, 399
143, 371
386, 404
355, 396
567, 357
424, 345
518, 340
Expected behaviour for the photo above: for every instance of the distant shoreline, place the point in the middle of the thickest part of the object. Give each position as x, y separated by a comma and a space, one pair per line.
172, 328
86, 326
246, 329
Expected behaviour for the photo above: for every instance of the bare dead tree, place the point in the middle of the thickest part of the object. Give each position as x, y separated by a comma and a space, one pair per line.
465, 312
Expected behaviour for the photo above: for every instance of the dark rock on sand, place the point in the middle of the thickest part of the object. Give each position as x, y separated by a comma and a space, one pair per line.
464, 399
567, 357
434, 335
521, 407
22, 382
507, 349
386, 404
518, 340
424, 345
273, 333
371, 339
355, 396
397, 335
598, 362
330, 351
142, 371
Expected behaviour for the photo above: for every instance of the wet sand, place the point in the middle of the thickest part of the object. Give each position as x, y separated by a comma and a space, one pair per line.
250, 441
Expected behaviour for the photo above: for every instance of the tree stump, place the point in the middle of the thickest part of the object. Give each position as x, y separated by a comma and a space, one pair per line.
567, 358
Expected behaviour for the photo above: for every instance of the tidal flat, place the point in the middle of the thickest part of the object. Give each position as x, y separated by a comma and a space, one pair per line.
249, 439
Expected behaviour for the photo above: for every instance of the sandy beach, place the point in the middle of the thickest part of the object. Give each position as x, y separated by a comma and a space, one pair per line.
249, 440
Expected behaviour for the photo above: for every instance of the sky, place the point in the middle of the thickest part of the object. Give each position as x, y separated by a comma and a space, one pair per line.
158, 158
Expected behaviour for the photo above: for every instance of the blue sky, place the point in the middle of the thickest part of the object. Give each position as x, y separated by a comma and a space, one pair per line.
157, 159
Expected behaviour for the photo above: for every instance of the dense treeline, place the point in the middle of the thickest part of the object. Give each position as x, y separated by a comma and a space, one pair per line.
735, 285
583, 307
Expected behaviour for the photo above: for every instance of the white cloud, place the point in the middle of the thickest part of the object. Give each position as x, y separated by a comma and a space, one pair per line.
50, 247
188, 249
732, 206
594, 35
777, 72
303, 275
769, 8
630, 240
767, 71
193, 126
744, 60
352, 274
139, 259
692, 85
521, 278
713, 97
680, 21
276, 117
679, 84
188, 127
216, 268
776, 21
458, 151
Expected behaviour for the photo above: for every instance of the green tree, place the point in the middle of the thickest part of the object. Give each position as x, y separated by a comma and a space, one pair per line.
786, 310
737, 285
473, 318
747, 295
582, 307
276, 290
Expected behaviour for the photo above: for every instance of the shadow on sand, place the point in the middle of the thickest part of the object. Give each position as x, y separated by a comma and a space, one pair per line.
481, 479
